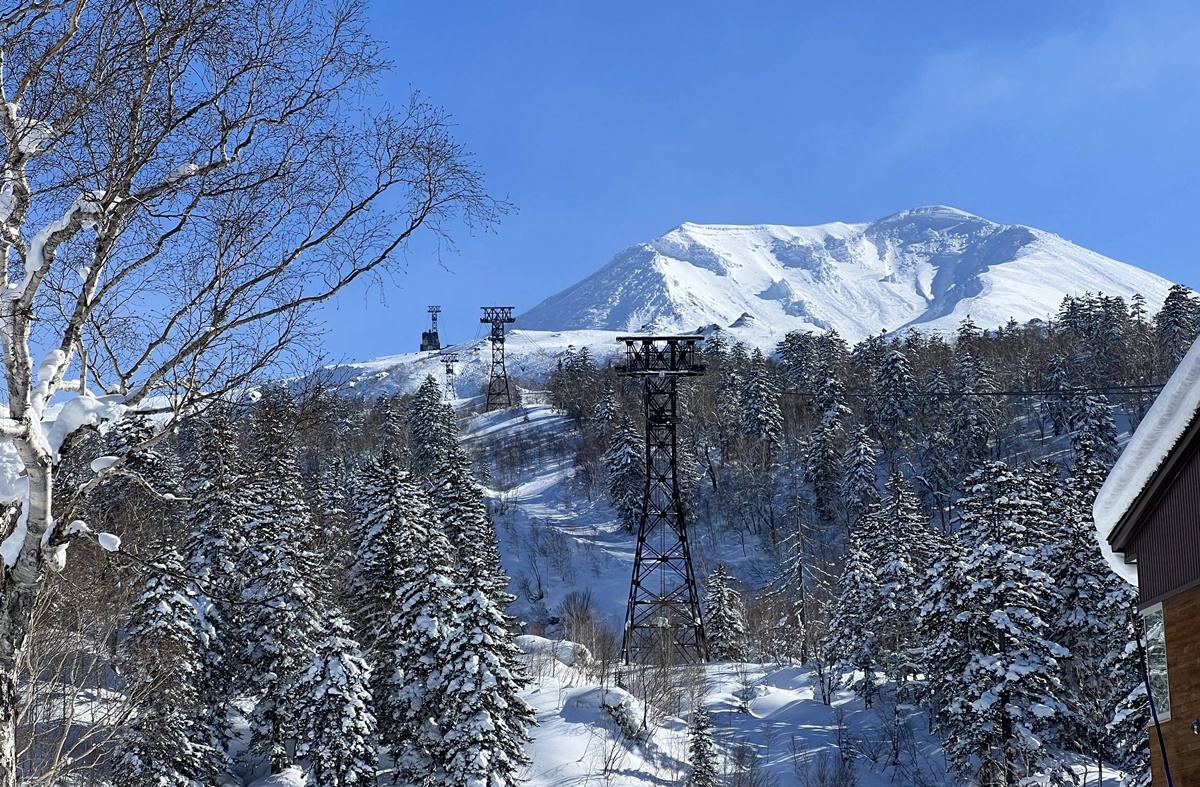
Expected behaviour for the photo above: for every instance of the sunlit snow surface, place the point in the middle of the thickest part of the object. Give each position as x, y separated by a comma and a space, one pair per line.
556, 541
926, 268
1156, 435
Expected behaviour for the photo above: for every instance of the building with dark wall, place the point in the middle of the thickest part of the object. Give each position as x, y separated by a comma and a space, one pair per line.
1148, 521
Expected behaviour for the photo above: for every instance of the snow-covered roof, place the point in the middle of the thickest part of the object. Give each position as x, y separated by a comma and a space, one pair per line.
1155, 438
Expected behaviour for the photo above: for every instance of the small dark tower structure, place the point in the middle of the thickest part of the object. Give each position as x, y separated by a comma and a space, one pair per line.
662, 623
448, 361
429, 338
498, 393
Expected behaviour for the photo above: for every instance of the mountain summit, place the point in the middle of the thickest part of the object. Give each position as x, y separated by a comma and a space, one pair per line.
925, 268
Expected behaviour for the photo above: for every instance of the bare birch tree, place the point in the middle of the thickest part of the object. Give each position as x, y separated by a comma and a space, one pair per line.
181, 181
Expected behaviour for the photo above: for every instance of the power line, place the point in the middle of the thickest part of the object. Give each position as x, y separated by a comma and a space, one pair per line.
1053, 392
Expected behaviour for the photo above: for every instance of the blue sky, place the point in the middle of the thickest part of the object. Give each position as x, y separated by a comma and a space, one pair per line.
607, 124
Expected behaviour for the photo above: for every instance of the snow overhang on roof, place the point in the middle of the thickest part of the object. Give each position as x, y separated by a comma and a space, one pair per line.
1156, 436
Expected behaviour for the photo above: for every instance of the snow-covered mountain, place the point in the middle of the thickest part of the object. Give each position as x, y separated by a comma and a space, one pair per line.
925, 268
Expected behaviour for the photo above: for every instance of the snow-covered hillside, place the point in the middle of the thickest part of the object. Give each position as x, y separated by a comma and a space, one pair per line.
772, 724
925, 268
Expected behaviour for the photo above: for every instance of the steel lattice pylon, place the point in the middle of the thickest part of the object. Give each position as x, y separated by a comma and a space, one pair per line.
498, 393
663, 622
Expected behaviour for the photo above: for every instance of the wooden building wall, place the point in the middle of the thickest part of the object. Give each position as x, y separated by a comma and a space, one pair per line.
1167, 545
1181, 616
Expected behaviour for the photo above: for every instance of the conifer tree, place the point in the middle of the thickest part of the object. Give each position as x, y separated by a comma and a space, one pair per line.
903, 547
1128, 732
217, 522
859, 492
972, 416
995, 667
853, 642
1176, 324
702, 749
1093, 434
1058, 404
607, 408
724, 621
483, 720
1101, 670
279, 625
170, 742
731, 392
433, 430
797, 354
761, 417
822, 463
935, 450
385, 505
624, 463
460, 508
407, 673
335, 725
893, 403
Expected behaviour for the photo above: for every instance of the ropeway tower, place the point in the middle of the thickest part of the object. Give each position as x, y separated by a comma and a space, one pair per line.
498, 394
429, 338
663, 624
448, 361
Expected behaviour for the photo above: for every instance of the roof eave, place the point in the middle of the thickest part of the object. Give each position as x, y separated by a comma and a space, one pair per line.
1134, 517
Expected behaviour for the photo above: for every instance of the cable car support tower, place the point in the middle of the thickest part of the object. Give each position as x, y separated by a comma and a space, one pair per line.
662, 622
498, 394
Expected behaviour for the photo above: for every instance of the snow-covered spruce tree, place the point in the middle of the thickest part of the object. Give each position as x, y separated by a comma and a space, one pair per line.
1093, 435
433, 430
935, 451
893, 404
761, 417
1128, 732
483, 720
573, 384
407, 670
216, 520
624, 462
1176, 325
459, 507
281, 620
730, 390
724, 620
995, 667
1057, 405
859, 492
169, 742
903, 547
702, 750
1102, 670
945, 631
797, 354
335, 725
179, 235
822, 463
853, 643
972, 417
139, 503
387, 503
607, 408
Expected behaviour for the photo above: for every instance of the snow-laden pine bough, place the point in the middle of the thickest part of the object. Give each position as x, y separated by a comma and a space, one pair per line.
180, 182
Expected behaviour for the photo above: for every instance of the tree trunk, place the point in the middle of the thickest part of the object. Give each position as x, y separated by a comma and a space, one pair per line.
8, 724
20, 589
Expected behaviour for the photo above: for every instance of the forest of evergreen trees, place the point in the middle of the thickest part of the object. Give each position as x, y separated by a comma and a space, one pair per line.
925, 504
315, 580
318, 582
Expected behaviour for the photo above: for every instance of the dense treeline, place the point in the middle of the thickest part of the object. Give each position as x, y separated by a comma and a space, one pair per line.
925, 505
319, 586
